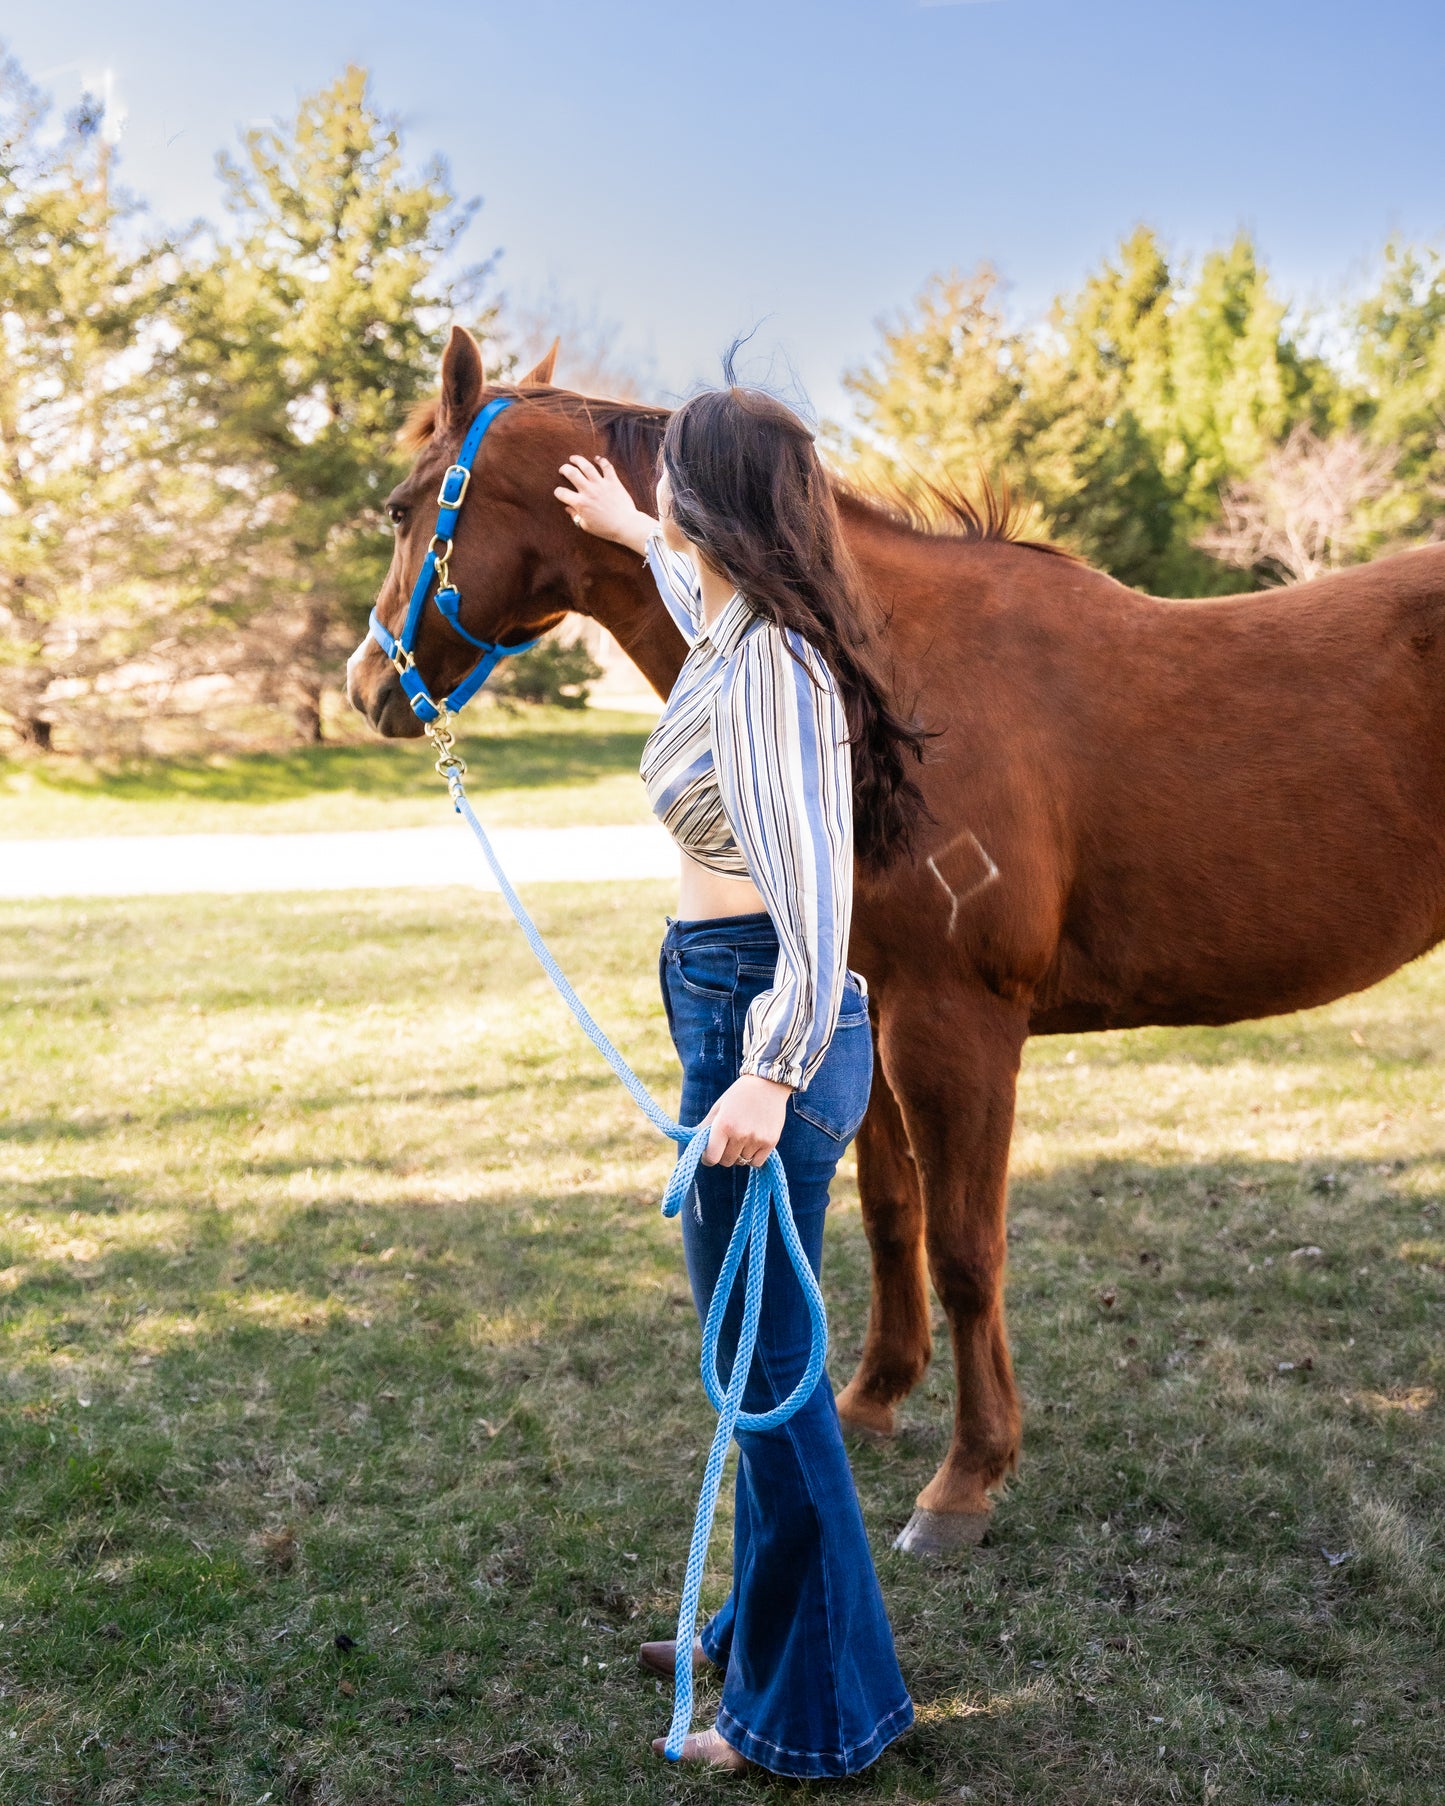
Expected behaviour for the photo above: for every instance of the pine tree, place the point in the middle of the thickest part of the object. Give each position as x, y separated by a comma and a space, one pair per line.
1099, 419
301, 341
1400, 352
945, 394
79, 591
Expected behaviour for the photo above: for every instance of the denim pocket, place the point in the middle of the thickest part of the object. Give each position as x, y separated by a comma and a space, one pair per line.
836, 1099
707, 971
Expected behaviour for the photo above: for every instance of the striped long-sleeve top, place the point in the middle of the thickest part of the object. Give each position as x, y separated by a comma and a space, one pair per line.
749, 770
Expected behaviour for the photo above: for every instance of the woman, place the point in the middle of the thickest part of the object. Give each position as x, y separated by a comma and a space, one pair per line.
776, 752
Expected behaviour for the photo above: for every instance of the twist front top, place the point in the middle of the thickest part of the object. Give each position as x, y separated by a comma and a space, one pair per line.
749, 771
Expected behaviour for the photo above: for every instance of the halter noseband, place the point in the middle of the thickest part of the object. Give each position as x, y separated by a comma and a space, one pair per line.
398, 647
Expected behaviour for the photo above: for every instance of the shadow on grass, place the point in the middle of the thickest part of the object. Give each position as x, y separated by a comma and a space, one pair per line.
515, 754
23, 1129
455, 1472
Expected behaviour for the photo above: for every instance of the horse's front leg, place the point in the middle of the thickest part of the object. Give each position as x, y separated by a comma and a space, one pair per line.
953, 1060
899, 1341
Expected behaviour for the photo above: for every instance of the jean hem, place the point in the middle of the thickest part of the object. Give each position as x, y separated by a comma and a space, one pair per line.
810, 1765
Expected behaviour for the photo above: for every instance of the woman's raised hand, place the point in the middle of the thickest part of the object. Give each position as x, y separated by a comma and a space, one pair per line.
598, 503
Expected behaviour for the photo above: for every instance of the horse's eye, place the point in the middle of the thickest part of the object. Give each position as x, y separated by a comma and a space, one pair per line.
395, 513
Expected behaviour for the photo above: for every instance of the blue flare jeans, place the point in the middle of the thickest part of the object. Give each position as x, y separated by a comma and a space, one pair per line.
811, 1682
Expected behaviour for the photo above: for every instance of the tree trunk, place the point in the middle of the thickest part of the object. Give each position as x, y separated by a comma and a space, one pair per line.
306, 712
308, 656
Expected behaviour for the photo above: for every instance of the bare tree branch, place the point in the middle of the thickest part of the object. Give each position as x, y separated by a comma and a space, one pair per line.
1305, 511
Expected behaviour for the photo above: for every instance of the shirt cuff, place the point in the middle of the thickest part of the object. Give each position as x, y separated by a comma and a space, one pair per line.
781, 1072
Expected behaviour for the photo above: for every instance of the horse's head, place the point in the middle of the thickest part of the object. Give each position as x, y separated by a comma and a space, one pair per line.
517, 559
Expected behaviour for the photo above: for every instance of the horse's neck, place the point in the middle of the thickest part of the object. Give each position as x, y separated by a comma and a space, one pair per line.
632, 612
627, 604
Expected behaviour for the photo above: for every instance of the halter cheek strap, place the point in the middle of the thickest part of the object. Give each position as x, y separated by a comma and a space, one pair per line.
398, 647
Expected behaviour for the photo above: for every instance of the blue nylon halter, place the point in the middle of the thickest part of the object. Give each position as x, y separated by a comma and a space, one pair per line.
398, 647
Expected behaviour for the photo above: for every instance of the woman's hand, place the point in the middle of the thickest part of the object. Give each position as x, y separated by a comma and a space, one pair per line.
746, 1122
598, 503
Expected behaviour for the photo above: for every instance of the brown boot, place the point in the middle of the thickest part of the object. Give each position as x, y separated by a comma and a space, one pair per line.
661, 1658
705, 1746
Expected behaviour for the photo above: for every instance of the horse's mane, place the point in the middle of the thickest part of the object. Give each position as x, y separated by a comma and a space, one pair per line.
940, 508
936, 508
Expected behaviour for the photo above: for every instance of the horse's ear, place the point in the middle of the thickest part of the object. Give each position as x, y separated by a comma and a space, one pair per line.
462, 381
540, 375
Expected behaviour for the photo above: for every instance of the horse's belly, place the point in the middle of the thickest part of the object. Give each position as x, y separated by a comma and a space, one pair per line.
1236, 949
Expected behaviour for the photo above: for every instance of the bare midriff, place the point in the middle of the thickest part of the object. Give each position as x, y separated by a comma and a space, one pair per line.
703, 894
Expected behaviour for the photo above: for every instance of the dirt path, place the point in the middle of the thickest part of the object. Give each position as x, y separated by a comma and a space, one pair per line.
391, 859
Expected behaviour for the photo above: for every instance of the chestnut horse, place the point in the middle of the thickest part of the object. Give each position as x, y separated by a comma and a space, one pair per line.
1144, 811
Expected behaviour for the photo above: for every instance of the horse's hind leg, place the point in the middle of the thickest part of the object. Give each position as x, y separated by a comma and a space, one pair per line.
898, 1342
953, 1060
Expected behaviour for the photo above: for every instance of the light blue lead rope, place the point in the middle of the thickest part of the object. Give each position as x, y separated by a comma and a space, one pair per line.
767, 1189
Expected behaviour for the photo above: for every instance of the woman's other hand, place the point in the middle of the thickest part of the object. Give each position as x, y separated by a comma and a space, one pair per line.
599, 503
746, 1122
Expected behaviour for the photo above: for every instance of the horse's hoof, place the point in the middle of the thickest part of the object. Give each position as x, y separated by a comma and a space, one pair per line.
941, 1532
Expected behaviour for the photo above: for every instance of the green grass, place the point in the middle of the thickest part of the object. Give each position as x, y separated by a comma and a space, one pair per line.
533, 768
351, 1427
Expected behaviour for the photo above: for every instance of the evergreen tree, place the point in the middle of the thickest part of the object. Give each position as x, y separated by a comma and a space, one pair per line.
1240, 383
80, 589
1099, 420
945, 395
1400, 353
301, 341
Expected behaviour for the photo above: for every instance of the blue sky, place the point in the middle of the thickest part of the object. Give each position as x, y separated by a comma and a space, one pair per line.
690, 169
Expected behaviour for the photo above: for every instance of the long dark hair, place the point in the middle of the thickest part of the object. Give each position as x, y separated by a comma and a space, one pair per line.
749, 491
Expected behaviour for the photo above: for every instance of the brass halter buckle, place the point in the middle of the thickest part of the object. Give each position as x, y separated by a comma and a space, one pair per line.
455, 484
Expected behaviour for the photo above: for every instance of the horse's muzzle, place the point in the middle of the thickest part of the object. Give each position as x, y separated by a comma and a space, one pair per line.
372, 690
